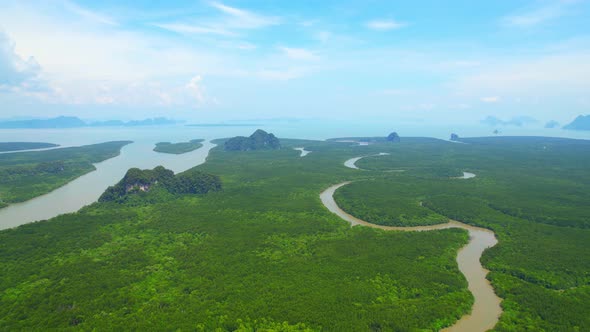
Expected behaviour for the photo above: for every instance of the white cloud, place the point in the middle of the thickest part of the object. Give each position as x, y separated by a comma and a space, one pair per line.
299, 53
243, 19
493, 99
539, 15
83, 63
559, 75
88, 14
195, 89
128, 93
232, 20
385, 25
16, 73
184, 28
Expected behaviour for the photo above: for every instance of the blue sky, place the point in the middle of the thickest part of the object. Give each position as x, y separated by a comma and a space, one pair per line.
452, 61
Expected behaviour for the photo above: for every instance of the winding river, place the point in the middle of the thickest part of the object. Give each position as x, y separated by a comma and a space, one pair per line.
87, 188
486, 308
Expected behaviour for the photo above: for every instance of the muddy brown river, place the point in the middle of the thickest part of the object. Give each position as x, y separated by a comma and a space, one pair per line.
486, 309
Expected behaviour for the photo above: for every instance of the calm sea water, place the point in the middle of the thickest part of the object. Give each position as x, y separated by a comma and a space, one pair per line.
87, 189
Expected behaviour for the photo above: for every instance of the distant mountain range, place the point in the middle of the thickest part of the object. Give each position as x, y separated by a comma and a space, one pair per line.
75, 122
582, 122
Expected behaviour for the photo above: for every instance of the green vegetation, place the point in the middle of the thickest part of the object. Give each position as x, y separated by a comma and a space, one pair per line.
24, 175
403, 206
264, 254
178, 148
144, 183
259, 140
532, 192
16, 146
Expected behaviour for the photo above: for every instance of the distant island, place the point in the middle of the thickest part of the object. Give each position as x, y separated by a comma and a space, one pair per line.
178, 148
259, 140
552, 124
393, 137
75, 122
582, 122
223, 125
18, 146
518, 121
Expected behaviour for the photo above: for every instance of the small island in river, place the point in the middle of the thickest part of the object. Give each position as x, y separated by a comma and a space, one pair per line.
178, 148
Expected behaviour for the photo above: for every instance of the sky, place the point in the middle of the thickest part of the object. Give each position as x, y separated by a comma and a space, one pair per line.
438, 61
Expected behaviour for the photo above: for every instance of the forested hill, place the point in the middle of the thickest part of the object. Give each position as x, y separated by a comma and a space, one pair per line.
259, 140
160, 181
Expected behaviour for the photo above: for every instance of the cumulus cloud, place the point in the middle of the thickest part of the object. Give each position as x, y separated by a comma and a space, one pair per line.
15, 71
195, 89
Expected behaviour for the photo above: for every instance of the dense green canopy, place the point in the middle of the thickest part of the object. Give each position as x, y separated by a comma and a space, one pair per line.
259, 140
137, 181
264, 254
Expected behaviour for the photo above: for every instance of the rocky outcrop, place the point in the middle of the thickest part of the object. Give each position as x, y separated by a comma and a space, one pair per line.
138, 181
393, 137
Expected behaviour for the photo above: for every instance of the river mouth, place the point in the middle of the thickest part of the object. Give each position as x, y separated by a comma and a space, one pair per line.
486, 309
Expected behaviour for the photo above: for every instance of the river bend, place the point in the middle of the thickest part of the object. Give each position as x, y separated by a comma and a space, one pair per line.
486, 308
